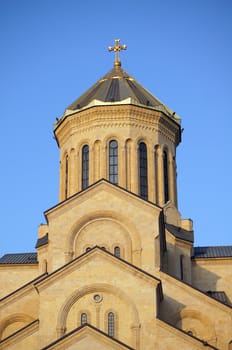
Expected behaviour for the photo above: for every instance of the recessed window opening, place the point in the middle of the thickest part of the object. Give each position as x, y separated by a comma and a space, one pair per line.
111, 325
117, 252
165, 173
85, 167
83, 318
66, 176
143, 183
113, 162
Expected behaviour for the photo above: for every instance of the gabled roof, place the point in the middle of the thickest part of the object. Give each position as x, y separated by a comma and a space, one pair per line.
88, 329
95, 185
19, 258
213, 252
96, 251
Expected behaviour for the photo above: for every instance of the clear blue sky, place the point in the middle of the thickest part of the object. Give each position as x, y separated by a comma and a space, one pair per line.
53, 50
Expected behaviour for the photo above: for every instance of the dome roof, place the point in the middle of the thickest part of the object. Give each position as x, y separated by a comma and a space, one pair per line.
117, 85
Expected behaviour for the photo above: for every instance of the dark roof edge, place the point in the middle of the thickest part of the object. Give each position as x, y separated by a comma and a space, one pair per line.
106, 252
198, 290
92, 185
180, 233
205, 343
206, 252
19, 331
87, 326
42, 241
40, 277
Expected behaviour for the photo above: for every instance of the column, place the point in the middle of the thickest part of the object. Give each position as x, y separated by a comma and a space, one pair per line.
122, 166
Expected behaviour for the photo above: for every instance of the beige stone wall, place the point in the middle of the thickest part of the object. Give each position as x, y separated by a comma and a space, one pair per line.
213, 275
193, 311
13, 277
130, 294
88, 220
128, 125
18, 310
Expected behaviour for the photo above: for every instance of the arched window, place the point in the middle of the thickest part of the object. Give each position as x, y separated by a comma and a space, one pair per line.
117, 252
165, 173
85, 167
156, 171
181, 267
66, 176
83, 318
113, 162
143, 187
111, 325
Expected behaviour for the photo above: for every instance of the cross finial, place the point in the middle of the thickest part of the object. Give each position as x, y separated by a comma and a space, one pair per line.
117, 48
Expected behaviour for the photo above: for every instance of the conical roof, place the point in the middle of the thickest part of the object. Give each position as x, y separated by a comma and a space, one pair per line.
117, 85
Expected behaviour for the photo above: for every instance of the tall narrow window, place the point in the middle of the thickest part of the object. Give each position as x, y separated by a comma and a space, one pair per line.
113, 162
165, 173
117, 252
111, 324
83, 318
66, 177
143, 187
156, 175
181, 267
85, 167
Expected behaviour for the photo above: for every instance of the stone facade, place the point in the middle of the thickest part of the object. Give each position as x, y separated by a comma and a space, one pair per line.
116, 266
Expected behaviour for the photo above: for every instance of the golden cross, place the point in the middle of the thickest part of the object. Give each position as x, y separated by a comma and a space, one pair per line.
117, 48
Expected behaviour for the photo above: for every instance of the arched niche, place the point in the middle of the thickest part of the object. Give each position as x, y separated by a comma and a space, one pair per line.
105, 229
97, 300
13, 323
196, 323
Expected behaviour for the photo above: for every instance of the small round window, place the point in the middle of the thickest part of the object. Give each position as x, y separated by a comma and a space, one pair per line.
97, 298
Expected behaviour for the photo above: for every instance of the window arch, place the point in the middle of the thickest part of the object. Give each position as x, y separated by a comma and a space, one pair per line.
117, 251
156, 171
165, 174
66, 176
111, 324
85, 167
83, 318
143, 183
113, 162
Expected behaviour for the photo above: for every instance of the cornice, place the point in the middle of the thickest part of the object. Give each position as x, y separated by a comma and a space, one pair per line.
20, 292
117, 116
97, 251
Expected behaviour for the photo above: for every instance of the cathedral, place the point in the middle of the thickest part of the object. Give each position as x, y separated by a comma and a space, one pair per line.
115, 265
